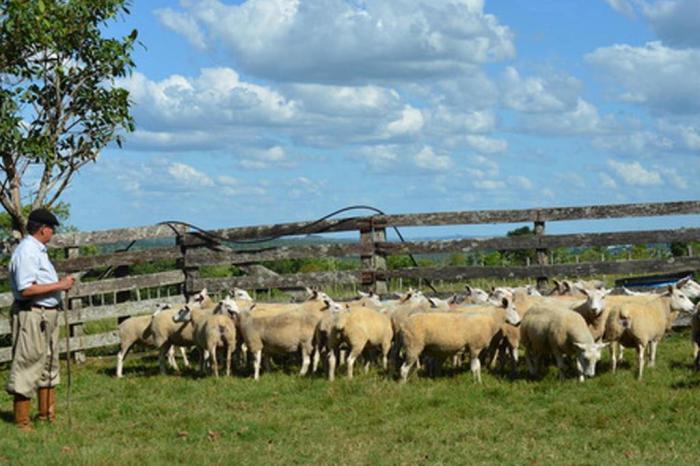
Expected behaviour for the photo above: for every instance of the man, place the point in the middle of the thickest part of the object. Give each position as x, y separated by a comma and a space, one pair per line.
37, 292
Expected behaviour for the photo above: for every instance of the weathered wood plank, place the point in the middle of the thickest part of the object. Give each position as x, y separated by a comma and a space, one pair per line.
117, 259
82, 342
196, 257
113, 236
113, 311
299, 280
172, 277
540, 242
6, 299
460, 218
678, 264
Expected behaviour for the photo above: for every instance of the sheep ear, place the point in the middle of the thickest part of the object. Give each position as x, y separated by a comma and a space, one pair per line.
580, 346
363, 294
603, 345
505, 303
468, 289
432, 302
682, 282
583, 290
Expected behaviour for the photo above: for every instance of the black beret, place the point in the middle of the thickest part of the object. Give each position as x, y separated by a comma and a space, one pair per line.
44, 217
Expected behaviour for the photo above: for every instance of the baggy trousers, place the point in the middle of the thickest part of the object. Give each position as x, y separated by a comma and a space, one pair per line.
34, 351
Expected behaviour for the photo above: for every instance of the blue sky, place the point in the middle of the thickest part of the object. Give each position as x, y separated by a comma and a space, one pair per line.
271, 111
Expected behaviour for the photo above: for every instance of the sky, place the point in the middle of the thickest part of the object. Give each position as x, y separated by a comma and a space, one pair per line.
274, 111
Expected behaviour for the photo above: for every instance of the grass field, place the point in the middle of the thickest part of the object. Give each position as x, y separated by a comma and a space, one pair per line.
146, 418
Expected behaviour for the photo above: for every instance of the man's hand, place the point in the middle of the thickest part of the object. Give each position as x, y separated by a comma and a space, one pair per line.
66, 283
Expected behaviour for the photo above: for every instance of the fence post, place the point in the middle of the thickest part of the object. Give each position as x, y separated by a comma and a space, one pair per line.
75, 329
373, 265
542, 255
190, 273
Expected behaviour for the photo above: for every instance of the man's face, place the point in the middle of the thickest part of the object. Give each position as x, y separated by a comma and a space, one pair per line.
46, 233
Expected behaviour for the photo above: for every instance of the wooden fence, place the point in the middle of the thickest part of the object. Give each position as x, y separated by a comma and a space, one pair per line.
130, 294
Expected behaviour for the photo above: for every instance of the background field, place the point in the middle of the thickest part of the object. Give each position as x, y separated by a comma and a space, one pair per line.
283, 419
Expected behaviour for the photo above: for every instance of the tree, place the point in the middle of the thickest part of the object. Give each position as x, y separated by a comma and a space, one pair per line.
59, 102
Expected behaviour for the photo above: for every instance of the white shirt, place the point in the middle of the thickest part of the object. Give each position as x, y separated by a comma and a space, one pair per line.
30, 264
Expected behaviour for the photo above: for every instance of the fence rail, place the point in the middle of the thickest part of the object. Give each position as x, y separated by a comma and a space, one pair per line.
190, 252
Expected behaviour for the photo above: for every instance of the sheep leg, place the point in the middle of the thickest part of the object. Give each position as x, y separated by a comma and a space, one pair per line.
652, 353
367, 366
696, 355
579, 369
561, 364
331, 365
475, 366
120, 358
316, 360
183, 353
640, 359
213, 361
171, 357
531, 366
256, 364
351, 363
614, 346
306, 361
406, 367
513, 359
162, 356
229, 354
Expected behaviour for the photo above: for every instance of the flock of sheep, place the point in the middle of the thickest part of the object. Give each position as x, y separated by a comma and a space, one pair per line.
572, 324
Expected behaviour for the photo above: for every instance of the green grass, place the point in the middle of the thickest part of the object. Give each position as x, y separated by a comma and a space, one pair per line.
284, 419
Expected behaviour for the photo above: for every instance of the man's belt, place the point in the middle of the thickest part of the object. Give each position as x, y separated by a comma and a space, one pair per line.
25, 305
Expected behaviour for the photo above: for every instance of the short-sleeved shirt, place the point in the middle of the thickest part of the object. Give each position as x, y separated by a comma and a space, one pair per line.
30, 264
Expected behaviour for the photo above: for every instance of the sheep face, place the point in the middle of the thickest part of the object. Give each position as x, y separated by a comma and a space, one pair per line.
183, 315
512, 317
241, 294
228, 307
679, 301
589, 354
690, 287
200, 297
595, 299
478, 295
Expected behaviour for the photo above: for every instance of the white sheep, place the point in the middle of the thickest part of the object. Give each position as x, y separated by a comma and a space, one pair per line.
212, 330
359, 327
287, 332
167, 333
641, 321
444, 334
553, 330
695, 336
137, 329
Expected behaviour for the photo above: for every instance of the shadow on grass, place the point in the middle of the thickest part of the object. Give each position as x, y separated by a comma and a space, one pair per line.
8, 417
686, 384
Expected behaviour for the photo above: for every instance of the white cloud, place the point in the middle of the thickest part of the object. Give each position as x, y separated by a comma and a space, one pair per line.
634, 143
486, 145
675, 21
411, 121
633, 174
623, 6
606, 181
489, 185
521, 182
674, 178
255, 159
427, 159
583, 119
183, 24
340, 41
216, 97
656, 76
189, 176
555, 93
